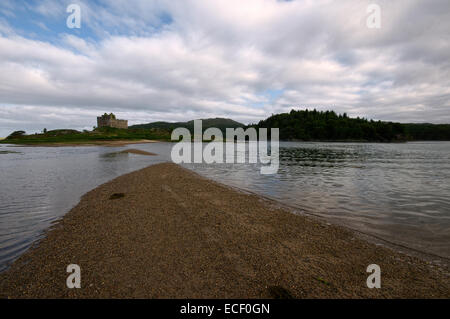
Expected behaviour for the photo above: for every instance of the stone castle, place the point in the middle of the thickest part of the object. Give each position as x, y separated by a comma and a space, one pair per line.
110, 120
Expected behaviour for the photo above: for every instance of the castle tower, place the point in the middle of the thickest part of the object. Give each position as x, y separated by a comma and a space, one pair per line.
109, 120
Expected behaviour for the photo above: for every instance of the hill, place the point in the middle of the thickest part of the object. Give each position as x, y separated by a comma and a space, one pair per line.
315, 125
220, 123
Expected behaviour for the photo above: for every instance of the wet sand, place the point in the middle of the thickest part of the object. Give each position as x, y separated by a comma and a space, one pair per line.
165, 232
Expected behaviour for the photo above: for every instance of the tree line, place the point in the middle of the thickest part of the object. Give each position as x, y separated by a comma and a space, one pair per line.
313, 125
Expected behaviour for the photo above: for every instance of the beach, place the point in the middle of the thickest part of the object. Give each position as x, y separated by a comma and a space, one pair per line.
166, 232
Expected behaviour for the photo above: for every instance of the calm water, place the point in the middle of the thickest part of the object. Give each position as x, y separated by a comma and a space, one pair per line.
38, 185
399, 192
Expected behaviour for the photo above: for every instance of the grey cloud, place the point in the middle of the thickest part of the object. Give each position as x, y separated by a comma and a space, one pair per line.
218, 58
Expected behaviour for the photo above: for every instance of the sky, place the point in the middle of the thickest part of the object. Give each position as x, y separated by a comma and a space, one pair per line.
178, 60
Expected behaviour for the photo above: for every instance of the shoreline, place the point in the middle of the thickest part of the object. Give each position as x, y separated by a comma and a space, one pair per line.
429, 257
176, 234
87, 143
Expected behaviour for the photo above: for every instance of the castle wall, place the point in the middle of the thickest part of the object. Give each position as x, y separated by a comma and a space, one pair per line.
102, 122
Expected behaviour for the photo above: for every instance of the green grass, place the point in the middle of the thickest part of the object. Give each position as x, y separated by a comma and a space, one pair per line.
98, 135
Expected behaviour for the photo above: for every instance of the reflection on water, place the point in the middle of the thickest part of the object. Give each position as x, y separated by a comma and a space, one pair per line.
395, 191
398, 192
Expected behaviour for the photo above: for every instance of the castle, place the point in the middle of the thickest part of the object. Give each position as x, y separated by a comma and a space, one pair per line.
111, 121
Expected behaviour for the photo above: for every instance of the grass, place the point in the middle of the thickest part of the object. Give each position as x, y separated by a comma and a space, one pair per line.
97, 135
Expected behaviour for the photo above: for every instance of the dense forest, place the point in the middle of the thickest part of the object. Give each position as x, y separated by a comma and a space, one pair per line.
315, 125
427, 132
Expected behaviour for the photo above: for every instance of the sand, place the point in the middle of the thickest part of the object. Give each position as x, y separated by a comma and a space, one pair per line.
165, 232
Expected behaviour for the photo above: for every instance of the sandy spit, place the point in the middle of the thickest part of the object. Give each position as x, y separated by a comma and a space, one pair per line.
165, 232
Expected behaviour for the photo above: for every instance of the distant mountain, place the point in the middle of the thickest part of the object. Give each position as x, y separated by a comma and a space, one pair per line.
220, 123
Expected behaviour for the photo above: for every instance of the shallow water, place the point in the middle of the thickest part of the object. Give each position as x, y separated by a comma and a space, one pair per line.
399, 192
38, 185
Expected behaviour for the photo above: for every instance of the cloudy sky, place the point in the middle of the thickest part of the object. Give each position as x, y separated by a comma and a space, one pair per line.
178, 60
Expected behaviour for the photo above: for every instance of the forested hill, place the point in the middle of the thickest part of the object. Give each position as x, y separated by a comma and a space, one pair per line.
315, 125
220, 123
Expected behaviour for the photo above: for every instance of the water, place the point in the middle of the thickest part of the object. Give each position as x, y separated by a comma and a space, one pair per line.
399, 192
38, 185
